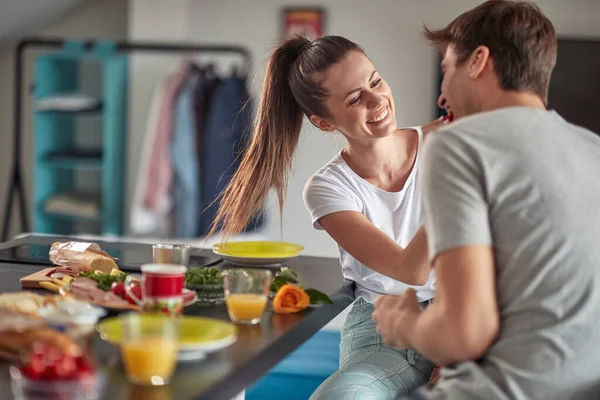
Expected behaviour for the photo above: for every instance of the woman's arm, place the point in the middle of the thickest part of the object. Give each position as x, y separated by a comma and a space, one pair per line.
373, 248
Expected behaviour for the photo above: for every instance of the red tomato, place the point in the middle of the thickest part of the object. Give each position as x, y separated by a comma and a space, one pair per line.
83, 368
34, 368
118, 288
64, 366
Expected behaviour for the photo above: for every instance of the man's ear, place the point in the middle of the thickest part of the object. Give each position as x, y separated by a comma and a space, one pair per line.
322, 124
478, 61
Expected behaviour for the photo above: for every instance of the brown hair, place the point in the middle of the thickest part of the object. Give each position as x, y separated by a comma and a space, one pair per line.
521, 40
291, 89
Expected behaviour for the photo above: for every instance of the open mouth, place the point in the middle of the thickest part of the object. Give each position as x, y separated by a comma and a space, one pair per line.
379, 118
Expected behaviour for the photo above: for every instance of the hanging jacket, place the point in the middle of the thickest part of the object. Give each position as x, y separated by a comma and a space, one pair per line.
226, 132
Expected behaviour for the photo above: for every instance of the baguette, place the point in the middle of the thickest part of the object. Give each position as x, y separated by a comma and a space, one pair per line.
91, 259
22, 301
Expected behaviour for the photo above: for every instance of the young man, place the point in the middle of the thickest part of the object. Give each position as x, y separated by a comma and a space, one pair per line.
511, 193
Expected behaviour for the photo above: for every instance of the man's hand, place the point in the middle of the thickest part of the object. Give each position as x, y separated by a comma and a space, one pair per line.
395, 316
435, 375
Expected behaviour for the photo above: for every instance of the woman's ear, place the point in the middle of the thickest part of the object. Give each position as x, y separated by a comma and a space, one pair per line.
322, 123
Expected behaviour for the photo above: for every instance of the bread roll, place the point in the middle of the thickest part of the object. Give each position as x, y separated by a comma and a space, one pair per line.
90, 259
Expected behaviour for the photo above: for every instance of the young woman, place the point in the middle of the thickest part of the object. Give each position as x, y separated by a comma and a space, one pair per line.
366, 198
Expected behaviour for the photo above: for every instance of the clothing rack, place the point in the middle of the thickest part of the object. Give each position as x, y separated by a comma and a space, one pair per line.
16, 177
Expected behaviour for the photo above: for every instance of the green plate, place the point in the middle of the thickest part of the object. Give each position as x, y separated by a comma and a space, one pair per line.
257, 253
258, 249
195, 333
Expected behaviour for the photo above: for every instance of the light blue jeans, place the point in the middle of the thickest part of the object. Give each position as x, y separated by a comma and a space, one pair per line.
370, 370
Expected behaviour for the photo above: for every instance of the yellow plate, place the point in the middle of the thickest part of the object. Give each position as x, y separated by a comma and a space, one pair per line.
258, 249
195, 333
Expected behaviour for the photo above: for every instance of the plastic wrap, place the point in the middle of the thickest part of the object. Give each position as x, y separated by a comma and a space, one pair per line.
85, 256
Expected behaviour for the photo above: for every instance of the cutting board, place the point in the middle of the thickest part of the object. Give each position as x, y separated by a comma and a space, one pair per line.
33, 281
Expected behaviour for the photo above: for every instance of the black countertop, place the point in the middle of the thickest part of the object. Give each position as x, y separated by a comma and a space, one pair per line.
223, 374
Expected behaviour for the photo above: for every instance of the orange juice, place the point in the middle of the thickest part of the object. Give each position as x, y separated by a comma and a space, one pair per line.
149, 360
245, 307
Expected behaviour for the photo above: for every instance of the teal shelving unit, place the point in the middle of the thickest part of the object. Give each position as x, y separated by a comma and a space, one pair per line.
57, 158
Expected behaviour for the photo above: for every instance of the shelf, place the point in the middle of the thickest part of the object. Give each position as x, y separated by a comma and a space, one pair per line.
68, 103
72, 206
92, 112
74, 159
68, 217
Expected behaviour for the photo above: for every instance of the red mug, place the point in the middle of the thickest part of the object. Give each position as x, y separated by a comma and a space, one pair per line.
162, 286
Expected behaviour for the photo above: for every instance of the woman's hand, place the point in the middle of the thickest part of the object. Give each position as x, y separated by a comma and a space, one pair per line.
435, 124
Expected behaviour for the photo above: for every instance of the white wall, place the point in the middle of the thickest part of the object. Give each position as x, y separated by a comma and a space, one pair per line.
389, 30
105, 19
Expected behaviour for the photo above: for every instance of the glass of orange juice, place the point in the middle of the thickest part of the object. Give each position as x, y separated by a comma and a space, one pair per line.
246, 294
149, 348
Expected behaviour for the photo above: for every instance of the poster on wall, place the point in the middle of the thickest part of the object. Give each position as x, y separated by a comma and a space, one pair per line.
309, 22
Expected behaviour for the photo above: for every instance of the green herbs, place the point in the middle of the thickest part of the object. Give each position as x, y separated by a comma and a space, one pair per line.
104, 281
204, 276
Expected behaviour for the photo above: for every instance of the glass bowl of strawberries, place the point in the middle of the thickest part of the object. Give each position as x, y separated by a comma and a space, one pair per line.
49, 373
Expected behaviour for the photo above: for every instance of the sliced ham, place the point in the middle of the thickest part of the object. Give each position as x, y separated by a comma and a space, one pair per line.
85, 283
58, 275
112, 300
71, 271
81, 293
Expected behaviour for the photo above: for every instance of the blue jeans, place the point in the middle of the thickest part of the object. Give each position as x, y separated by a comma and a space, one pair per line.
368, 368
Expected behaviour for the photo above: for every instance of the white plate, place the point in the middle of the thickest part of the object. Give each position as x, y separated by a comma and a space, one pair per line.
199, 351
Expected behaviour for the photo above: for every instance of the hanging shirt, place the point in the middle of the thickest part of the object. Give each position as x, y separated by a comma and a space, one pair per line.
157, 196
186, 188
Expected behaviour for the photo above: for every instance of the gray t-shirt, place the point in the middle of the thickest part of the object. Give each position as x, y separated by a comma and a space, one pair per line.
528, 183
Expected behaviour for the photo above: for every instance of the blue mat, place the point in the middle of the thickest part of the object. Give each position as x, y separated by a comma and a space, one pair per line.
298, 375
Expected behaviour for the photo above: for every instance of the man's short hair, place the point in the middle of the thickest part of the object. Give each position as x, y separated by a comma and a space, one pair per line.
521, 39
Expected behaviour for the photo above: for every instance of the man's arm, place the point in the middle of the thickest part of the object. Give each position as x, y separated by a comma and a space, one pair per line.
463, 320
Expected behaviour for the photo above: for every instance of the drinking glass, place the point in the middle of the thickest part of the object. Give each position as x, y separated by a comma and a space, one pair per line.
149, 347
246, 294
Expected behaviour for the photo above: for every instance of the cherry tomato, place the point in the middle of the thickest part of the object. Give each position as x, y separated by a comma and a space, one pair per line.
118, 288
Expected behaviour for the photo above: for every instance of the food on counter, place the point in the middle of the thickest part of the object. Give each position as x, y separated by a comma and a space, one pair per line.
75, 318
103, 280
204, 276
62, 272
19, 321
87, 289
56, 284
19, 331
25, 301
207, 282
82, 255
48, 362
290, 299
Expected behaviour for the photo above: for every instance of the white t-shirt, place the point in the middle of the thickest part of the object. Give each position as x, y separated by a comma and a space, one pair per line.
336, 187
